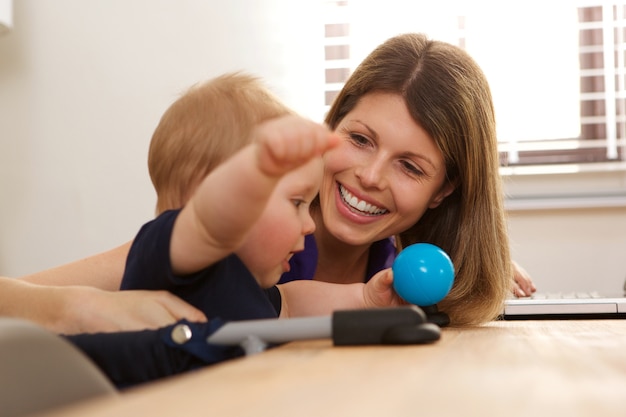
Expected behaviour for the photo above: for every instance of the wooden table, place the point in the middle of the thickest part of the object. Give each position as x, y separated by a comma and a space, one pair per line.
525, 368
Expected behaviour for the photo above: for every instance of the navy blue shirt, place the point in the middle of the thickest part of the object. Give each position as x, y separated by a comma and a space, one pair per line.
225, 290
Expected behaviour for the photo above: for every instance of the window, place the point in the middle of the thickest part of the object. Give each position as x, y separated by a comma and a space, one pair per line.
556, 68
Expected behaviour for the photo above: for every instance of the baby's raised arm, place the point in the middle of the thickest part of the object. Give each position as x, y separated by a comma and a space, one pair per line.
233, 196
286, 143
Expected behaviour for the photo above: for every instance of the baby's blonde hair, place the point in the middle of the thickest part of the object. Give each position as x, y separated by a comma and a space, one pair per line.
204, 127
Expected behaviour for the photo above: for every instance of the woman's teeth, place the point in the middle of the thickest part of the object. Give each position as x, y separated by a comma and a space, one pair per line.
360, 205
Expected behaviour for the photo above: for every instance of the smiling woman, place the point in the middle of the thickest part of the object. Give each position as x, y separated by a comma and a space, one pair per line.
419, 150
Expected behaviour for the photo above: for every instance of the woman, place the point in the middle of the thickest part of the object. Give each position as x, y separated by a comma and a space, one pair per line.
419, 161
440, 97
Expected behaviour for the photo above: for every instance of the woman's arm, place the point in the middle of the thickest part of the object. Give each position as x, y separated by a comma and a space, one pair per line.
77, 309
104, 271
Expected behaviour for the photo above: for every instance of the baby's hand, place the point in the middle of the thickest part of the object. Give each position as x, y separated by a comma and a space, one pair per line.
288, 142
379, 292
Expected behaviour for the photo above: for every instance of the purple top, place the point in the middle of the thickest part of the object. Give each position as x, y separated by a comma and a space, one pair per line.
303, 264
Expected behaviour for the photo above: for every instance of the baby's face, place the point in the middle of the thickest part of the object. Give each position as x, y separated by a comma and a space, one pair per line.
280, 231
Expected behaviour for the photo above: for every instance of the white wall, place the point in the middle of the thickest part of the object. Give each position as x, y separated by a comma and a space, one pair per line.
82, 87
571, 249
568, 228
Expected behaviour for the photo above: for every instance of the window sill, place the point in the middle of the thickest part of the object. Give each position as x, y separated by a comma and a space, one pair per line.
559, 187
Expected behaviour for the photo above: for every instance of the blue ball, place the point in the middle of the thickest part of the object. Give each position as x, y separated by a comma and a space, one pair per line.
423, 274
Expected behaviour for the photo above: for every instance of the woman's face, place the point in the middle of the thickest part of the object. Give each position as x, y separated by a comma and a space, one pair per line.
385, 173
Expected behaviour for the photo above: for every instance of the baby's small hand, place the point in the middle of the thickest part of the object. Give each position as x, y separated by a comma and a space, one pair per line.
288, 142
379, 292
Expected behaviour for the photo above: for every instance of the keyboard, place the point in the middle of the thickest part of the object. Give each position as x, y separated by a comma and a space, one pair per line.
563, 295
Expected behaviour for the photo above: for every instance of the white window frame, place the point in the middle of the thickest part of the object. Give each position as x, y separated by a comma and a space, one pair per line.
551, 186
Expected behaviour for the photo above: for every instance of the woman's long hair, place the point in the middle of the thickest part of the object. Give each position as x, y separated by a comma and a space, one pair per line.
447, 94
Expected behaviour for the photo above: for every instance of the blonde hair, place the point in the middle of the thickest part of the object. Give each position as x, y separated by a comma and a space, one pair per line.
205, 126
448, 95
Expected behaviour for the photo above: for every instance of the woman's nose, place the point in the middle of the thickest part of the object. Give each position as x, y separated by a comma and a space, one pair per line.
372, 173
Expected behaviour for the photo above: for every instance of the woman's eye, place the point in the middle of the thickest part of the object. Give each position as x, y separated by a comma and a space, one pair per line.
412, 169
298, 203
359, 139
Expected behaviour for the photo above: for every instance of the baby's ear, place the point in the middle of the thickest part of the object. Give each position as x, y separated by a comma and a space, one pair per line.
446, 189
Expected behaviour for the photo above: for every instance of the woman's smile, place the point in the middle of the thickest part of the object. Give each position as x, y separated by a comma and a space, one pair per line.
359, 206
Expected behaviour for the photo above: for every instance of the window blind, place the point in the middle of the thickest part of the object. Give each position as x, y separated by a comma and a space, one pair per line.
601, 30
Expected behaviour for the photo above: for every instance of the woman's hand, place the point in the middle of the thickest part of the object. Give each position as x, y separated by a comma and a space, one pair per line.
81, 309
91, 310
523, 285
